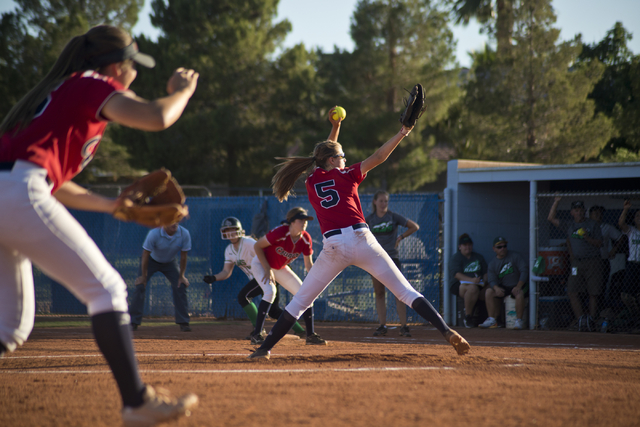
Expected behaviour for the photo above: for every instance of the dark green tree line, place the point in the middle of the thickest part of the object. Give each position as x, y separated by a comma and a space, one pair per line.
531, 105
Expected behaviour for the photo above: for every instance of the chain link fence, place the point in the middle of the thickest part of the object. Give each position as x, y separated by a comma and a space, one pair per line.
348, 298
589, 288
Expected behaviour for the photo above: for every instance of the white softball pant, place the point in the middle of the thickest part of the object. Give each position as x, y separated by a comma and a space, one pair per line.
285, 276
35, 227
351, 247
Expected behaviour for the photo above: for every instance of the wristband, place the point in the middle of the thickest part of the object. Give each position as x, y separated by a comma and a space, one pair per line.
209, 279
406, 131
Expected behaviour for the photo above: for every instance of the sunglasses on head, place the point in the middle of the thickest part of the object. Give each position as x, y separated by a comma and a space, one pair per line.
501, 247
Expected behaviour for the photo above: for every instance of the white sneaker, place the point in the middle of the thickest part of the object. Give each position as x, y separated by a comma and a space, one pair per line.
158, 407
489, 323
519, 324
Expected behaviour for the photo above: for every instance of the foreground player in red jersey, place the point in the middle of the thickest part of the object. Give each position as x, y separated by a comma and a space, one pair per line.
333, 191
46, 139
274, 252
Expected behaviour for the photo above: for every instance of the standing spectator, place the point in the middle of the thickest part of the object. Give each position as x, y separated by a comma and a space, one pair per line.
584, 239
240, 252
468, 273
384, 225
507, 274
632, 272
160, 249
612, 240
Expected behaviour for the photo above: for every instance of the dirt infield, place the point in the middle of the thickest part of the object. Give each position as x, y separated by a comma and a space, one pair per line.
511, 378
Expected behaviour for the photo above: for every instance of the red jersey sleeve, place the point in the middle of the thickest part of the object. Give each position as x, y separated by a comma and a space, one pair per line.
355, 172
308, 244
66, 130
277, 233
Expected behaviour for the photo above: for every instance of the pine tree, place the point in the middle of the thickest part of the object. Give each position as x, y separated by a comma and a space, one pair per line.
398, 43
532, 105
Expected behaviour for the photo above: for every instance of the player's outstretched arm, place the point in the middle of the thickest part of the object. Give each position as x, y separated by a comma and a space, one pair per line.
132, 111
383, 152
622, 221
74, 196
222, 275
335, 126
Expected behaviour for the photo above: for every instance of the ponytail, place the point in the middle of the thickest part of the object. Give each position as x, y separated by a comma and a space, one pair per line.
75, 56
293, 167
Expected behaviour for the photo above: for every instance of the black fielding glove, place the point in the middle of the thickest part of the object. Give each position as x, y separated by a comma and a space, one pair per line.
209, 279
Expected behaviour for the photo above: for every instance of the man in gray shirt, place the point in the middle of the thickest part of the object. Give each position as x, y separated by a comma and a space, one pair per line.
584, 239
507, 275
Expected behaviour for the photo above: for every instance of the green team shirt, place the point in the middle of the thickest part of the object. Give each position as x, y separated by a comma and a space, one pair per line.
576, 232
508, 271
474, 266
386, 230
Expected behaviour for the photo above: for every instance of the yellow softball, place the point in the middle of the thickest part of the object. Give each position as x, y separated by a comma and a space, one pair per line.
339, 113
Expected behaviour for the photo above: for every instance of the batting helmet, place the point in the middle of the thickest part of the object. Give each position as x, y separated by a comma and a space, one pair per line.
236, 226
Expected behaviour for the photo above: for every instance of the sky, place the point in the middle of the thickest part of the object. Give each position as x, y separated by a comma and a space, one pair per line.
325, 23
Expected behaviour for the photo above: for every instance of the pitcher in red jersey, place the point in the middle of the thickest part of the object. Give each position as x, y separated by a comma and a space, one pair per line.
332, 188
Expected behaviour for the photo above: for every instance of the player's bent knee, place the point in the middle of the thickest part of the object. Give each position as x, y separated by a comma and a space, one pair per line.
269, 294
111, 297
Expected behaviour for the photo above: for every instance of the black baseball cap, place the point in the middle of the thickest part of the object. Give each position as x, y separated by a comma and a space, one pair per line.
463, 239
128, 52
298, 213
499, 239
577, 204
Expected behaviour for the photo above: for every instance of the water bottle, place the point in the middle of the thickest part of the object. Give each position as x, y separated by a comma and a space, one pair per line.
605, 326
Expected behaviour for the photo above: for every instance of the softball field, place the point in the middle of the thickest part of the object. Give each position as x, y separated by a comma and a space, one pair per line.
510, 378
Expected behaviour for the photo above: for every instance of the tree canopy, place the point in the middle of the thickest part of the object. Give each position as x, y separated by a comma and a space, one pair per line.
534, 99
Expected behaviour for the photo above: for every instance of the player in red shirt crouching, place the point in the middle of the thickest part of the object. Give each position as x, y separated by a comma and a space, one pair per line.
274, 252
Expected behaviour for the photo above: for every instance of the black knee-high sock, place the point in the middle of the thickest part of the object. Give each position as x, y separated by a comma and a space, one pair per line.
426, 310
308, 320
3, 349
112, 332
279, 330
263, 309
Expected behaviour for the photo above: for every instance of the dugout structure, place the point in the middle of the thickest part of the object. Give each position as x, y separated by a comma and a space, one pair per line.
348, 298
489, 199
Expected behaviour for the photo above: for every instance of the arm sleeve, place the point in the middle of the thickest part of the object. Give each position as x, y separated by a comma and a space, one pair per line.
355, 172
483, 265
228, 255
149, 241
186, 240
399, 219
100, 88
308, 249
492, 276
455, 266
273, 235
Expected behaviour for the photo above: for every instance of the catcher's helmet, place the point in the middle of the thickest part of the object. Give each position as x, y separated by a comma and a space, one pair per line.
235, 224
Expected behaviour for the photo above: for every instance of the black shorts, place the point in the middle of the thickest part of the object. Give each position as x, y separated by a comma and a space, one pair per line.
525, 288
